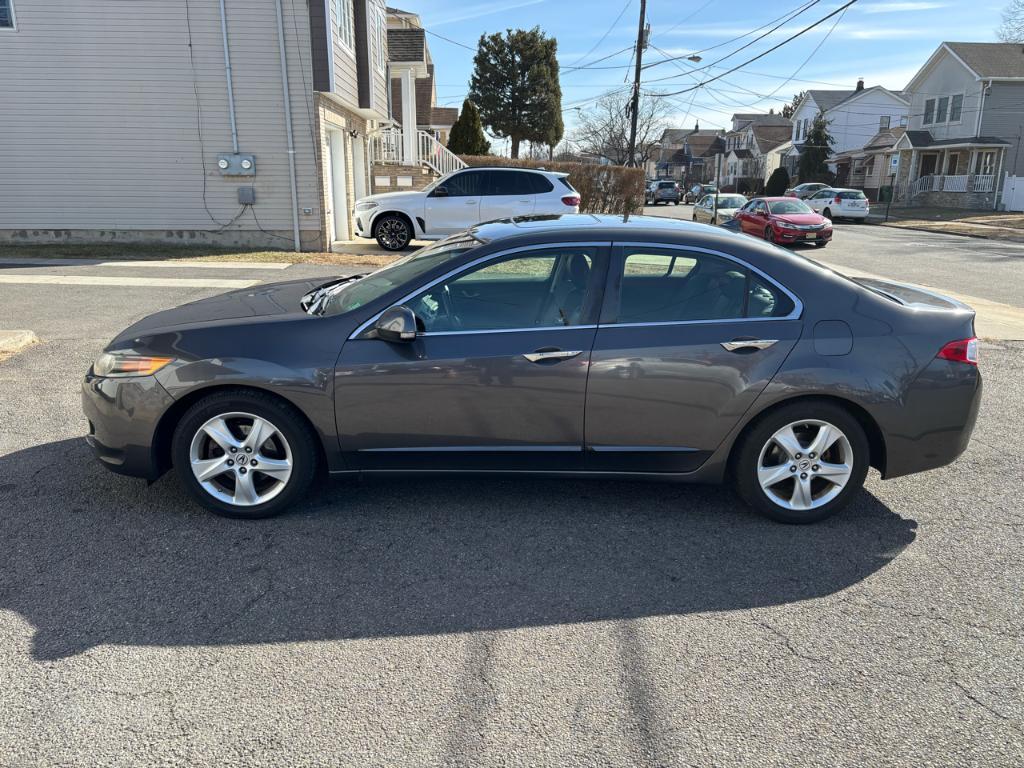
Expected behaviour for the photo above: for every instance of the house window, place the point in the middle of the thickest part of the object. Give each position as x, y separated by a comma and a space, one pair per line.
942, 109
903, 121
956, 107
344, 19
986, 164
6, 14
883, 122
929, 112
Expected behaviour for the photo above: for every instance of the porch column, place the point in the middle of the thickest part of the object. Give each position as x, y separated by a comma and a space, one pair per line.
996, 185
409, 118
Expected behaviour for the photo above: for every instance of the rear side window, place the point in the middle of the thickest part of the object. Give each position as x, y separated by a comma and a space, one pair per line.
663, 287
540, 183
851, 195
510, 183
566, 184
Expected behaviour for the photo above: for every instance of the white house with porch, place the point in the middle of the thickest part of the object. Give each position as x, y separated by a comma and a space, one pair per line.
964, 133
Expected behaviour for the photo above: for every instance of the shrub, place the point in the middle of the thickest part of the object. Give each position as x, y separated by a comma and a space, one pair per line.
602, 188
778, 183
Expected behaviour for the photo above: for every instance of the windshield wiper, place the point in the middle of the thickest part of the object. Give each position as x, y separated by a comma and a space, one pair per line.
314, 301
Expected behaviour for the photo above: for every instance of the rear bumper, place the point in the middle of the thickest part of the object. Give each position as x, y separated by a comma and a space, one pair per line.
933, 424
123, 415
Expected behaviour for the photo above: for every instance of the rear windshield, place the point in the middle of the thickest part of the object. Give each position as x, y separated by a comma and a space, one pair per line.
667, 185
853, 194
789, 206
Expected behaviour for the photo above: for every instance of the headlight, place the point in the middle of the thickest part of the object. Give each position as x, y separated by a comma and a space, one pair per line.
117, 364
787, 225
367, 206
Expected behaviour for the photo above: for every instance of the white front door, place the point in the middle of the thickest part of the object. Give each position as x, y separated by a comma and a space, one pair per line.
457, 207
338, 187
509, 193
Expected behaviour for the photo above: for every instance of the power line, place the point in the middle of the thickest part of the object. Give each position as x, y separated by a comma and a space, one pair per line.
595, 61
761, 55
605, 35
449, 40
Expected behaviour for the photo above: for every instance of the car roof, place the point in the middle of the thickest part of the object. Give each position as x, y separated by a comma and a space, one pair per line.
511, 168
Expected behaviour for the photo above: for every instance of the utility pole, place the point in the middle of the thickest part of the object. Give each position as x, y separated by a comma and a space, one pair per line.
641, 44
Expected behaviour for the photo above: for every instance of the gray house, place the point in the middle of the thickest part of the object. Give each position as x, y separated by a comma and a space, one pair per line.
965, 126
149, 121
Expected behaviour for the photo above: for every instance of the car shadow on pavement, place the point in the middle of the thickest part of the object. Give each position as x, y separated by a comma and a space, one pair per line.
90, 558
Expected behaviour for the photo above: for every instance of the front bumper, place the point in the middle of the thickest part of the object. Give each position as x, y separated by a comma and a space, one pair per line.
364, 224
123, 414
799, 236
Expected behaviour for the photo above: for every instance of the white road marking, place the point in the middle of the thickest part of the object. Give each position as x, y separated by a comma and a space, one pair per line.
164, 264
137, 282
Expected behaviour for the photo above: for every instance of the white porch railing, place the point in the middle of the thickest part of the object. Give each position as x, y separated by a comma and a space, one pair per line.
923, 184
984, 183
386, 146
954, 183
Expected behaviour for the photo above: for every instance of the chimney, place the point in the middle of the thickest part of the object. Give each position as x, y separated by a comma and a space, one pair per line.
860, 84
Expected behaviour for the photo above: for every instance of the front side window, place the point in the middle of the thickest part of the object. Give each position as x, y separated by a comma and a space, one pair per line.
956, 107
929, 112
535, 289
466, 184
681, 286
6, 14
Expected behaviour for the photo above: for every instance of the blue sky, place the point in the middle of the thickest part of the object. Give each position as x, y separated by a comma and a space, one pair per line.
885, 42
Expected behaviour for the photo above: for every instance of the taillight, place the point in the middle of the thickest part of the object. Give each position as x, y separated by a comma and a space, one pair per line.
838, 200
962, 351
571, 200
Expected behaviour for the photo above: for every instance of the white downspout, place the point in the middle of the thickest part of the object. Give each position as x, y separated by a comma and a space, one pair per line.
227, 72
287, 124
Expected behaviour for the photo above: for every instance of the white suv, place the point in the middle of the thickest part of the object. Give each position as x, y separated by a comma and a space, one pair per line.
460, 200
836, 203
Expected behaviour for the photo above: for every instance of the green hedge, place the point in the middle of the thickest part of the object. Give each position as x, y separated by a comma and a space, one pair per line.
602, 188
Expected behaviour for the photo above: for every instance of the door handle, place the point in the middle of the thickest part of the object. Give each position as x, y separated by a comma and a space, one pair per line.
551, 354
471, 202
739, 344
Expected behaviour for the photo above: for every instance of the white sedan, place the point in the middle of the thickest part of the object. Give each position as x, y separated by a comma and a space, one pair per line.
835, 203
461, 200
706, 212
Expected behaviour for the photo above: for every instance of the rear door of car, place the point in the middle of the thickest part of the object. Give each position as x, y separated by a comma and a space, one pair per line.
817, 201
508, 193
687, 340
458, 208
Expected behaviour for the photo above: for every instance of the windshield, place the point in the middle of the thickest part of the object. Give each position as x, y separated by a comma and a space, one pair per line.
789, 206
349, 296
731, 201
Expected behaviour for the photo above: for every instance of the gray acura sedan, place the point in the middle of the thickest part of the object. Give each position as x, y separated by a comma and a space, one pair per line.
557, 345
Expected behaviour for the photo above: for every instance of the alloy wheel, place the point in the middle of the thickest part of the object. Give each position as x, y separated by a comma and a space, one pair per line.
240, 459
805, 465
393, 233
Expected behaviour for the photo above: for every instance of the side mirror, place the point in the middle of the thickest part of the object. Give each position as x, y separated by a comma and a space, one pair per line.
439, 192
396, 324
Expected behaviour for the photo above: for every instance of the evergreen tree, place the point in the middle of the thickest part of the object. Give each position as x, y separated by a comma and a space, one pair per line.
515, 86
814, 152
778, 182
790, 109
467, 135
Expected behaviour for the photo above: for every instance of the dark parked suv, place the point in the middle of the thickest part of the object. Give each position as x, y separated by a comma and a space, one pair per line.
560, 345
664, 192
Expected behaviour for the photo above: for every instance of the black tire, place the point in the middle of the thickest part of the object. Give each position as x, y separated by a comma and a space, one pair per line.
675, 202
769, 234
747, 453
821, 243
300, 438
827, 213
693, 217
858, 220
392, 232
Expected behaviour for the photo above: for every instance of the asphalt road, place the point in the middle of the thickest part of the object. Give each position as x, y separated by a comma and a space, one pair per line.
491, 622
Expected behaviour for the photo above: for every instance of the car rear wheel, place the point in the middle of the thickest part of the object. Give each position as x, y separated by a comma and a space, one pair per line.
802, 463
244, 454
392, 232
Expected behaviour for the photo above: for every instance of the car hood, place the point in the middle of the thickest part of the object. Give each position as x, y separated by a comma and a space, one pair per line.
800, 218
258, 301
403, 199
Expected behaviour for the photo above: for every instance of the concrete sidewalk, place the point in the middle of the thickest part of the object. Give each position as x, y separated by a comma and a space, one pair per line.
989, 225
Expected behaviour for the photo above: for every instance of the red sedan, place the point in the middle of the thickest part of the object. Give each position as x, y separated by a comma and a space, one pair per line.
784, 220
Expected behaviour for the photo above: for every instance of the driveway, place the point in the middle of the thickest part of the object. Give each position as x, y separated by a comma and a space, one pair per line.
486, 622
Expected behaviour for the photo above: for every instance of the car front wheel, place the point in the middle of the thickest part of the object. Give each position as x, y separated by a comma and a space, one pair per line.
769, 234
244, 454
392, 232
802, 463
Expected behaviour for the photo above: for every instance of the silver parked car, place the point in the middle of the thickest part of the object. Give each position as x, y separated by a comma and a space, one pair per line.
708, 211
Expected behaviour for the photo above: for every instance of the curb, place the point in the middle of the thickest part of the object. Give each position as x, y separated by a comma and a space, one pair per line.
893, 225
12, 342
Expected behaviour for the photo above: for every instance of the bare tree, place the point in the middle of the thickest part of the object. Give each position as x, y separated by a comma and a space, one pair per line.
603, 129
1012, 28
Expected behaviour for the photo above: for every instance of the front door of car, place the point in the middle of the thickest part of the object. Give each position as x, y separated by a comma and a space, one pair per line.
508, 193
686, 342
454, 205
755, 217
496, 379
